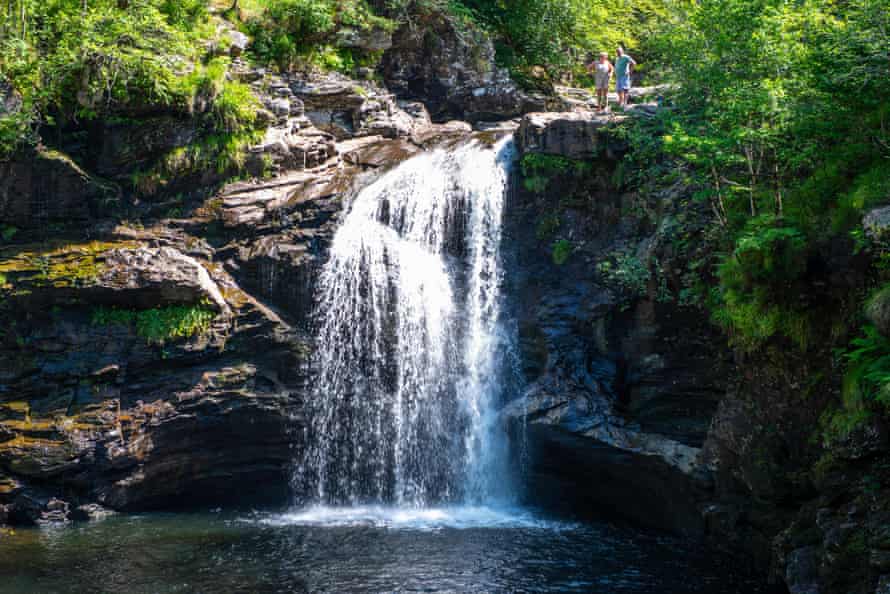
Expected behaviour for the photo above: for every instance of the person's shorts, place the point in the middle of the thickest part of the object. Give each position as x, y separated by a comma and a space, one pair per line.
623, 83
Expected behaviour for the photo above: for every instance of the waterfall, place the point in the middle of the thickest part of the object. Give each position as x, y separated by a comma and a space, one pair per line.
409, 353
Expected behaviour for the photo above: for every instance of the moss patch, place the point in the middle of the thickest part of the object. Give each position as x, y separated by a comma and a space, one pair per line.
55, 265
159, 324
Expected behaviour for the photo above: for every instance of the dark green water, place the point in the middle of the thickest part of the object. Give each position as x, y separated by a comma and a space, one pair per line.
363, 550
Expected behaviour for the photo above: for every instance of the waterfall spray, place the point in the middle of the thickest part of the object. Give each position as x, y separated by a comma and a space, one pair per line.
409, 346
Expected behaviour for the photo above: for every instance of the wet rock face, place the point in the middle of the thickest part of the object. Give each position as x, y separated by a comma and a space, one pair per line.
46, 187
621, 387
95, 413
686, 434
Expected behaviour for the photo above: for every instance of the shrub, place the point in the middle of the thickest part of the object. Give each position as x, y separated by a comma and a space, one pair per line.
866, 385
538, 169
869, 367
234, 109
768, 256
625, 271
290, 32
15, 130
756, 297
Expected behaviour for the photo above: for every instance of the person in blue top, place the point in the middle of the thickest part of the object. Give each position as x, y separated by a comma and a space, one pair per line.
623, 69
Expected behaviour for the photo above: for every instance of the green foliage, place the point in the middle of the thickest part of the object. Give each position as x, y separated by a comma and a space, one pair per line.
771, 117
626, 271
866, 386
769, 255
305, 32
8, 232
755, 300
560, 35
184, 13
15, 130
538, 163
72, 60
225, 153
868, 189
235, 108
868, 359
780, 124
562, 249
83, 59
539, 169
160, 324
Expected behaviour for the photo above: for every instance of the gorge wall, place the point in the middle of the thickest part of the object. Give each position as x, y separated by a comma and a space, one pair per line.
155, 343
156, 317
640, 406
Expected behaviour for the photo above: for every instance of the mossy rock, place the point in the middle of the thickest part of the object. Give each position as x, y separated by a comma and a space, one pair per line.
58, 265
878, 310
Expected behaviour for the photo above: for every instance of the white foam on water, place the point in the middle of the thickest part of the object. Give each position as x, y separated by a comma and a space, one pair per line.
408, 518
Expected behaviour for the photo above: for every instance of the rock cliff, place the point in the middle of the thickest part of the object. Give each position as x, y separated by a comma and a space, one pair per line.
156, 335
639, 407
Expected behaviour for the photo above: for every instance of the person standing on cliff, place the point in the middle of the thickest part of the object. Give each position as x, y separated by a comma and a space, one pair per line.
602, 74
623, 69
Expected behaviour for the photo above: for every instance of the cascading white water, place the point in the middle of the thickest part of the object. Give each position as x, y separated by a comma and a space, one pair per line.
409, 346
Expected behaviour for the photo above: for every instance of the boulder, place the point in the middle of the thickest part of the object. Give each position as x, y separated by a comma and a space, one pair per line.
500, 99
39, 508
126, 146
865, 439
158, 276
280, 106
291, 146
450, 66
113, 273
877, 310
238, 43
434, 134
576, 135
876, 223
346, 109
802, 571
259, 205
376, 151
373, 39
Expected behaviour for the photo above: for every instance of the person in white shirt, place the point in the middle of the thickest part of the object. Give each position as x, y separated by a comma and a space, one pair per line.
602, 75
